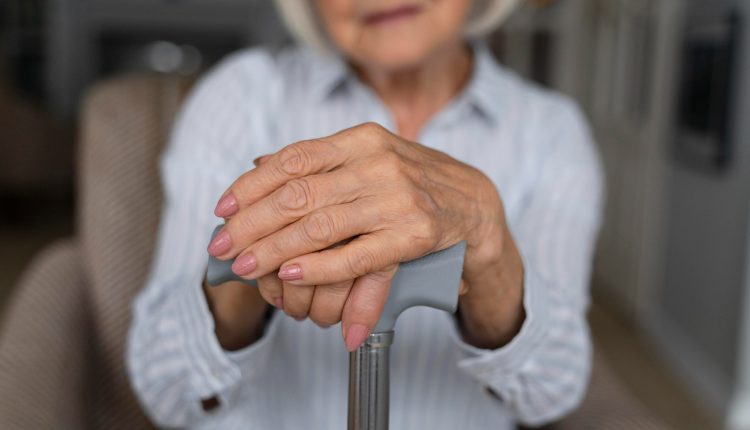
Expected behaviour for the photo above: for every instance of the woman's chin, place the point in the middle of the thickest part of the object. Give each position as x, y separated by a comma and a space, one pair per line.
393, 60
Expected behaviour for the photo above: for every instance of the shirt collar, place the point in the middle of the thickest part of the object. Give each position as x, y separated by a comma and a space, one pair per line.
484, 92
487, 87
328, 72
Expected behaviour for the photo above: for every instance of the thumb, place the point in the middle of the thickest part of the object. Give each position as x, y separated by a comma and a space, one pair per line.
364, 306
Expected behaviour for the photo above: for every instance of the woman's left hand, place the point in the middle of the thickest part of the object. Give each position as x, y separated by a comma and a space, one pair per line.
399, 200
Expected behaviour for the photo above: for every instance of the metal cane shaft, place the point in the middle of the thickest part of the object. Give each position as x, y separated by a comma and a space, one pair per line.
369, 383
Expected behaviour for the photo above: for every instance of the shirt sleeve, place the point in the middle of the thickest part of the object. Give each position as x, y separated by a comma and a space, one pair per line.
173, 356
543, 372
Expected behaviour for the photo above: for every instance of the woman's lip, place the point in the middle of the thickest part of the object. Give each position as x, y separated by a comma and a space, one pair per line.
392, 14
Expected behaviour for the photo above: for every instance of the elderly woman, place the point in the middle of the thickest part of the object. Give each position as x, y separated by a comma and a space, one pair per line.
389, 134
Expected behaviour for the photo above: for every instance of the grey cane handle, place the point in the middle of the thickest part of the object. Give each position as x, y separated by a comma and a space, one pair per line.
432, 280
220, 271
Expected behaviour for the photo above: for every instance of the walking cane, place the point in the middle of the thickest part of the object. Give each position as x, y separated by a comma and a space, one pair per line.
431, 281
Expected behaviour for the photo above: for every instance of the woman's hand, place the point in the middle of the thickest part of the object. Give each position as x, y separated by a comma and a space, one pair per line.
397, 199
238, 313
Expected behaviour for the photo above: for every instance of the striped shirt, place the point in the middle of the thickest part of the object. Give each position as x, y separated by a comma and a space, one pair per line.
533, 144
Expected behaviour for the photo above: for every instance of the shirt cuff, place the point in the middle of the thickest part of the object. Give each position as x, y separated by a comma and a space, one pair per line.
489, 365
216, 372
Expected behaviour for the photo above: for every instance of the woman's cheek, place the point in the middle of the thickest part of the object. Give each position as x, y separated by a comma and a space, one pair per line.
339, 21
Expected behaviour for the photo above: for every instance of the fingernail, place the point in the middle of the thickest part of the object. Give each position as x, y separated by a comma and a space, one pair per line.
290, 273
221, 244
227, 206
355, 336
300, 319
244, 264
279, 303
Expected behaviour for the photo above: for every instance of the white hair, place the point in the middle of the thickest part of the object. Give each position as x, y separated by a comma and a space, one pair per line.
302, 21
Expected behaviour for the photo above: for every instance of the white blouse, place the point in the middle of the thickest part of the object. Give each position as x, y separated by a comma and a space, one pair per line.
533, 144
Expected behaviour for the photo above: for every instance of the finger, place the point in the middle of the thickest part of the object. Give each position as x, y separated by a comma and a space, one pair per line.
364, 306
365, 254
318, 230
297, 300
289, 203
293, 161
301, 159
270, 288
328, 303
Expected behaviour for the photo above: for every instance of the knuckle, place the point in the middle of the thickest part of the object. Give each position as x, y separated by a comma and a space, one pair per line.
294, 160
238, 227
274, 249
374, 133
271, 250
296, 195
412, 202
417, 210
295, 307
267, 292
361, 262
391, 165
425, 230
371, 127
423, 215
324, 317
407, 200
320, 227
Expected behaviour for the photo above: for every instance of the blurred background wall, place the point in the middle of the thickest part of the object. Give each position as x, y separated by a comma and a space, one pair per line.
666, 85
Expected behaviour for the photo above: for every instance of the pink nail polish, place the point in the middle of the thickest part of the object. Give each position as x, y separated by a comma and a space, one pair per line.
221, 244
227, 206
244, 264
355, 336
290, 273
279, 303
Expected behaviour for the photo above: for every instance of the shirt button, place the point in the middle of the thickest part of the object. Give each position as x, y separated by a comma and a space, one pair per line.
210, 404
492, 393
